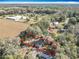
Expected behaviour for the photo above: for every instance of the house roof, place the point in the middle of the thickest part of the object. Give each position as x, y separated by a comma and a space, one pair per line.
17, 18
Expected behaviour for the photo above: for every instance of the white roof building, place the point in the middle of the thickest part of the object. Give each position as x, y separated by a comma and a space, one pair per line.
17, 18
56, 23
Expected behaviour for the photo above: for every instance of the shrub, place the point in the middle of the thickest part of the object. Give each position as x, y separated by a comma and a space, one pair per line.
44, 24
8, 49
35, 29
72, 20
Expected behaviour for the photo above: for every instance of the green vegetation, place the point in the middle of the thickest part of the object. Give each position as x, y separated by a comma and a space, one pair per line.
64, 33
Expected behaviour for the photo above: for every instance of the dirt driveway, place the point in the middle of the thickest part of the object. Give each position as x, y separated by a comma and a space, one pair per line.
10, 28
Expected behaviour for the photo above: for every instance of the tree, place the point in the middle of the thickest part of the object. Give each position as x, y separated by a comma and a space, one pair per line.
71, 13
44, 24
61, 18
72, 20
35, 29
77, 18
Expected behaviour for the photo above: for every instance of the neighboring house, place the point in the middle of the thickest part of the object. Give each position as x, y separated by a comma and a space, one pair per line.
56, 23
17, 18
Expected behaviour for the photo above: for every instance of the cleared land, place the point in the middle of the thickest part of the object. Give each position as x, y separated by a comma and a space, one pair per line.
10, 28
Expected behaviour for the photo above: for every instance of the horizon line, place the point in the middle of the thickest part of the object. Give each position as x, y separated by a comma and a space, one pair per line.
68, 2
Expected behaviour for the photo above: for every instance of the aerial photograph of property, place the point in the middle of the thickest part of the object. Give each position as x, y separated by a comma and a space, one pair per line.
39, 30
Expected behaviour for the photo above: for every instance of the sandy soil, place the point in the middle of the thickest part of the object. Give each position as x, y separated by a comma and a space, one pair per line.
10, 28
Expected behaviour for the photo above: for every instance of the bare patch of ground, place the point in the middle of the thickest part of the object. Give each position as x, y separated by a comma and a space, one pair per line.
10, 28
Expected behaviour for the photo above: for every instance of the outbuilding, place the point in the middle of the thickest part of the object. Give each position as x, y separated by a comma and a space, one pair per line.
17, 18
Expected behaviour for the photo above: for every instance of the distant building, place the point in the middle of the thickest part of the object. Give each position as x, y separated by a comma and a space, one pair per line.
56, 23
17, 18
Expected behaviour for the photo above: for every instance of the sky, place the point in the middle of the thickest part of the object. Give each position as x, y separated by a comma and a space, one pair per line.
38, 0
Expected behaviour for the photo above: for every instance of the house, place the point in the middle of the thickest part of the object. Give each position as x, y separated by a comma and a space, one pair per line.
56, 23
17, 18
76, 29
